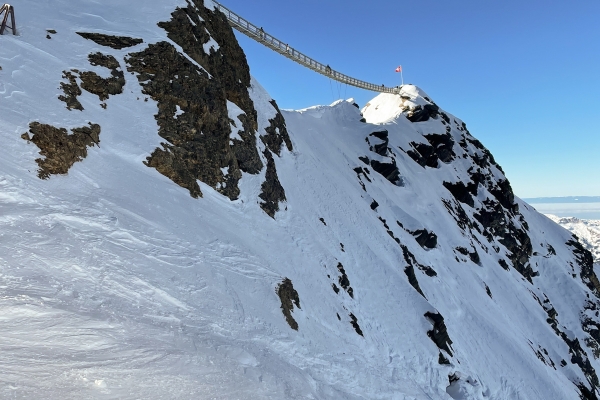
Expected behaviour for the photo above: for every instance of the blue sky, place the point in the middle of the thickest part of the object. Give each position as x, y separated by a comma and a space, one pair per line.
523, 75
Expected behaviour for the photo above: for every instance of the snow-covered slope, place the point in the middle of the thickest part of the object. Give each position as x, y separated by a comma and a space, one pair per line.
588, 232
188, 240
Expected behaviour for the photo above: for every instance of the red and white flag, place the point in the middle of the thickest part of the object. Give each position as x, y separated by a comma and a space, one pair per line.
399, 69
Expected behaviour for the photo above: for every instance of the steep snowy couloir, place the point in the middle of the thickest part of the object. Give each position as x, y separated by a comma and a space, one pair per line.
168, 232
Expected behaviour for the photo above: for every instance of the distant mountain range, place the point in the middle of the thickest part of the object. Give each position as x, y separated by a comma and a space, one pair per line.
588, 232
567, 199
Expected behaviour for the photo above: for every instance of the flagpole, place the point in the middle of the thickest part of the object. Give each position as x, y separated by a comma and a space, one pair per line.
401, 76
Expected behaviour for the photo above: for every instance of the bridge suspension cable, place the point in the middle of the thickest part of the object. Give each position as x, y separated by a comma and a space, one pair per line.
258, 34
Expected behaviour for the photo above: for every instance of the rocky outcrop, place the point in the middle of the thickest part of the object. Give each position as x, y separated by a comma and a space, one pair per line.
354, 322
197, 141
586, 263
423, 113
344, 281
439, 334
59, 148
101, 87
272, 192
71, 91
277, 133
192, 93
115, 42
438, 148
289, 297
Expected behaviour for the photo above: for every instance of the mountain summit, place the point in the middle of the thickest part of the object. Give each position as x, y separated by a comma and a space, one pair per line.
167, 232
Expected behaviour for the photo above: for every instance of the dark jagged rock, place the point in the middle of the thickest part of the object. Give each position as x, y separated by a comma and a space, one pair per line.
423, 154
271, 190
245, 150
442, 145
590, 323
503, 264
388, 170
492, 218
473, 255
360, 171
504, 194
115, 42
459, 215
409, 270
354, 322
197, 145
344, 281
425, 238
517, 241
421, 114
578, 355
585, 393
277, 133
461, 192
71, 91
442, 360
439, 148
487, 157
228, 64
101, 87
380, 148
335, 288
60, 149
586, 263
488, 291
439, 333
289, 297
374, 205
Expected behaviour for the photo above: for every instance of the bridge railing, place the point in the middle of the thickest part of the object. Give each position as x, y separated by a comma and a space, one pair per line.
270, 41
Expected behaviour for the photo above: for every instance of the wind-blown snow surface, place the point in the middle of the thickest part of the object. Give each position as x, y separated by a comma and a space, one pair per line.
116, 284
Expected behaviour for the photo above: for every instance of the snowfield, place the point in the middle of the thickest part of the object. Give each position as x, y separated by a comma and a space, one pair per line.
116, 284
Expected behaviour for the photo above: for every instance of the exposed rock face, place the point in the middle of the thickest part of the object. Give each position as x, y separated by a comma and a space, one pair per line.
423, 113
197, 146
61, 149
426, 239
289, 297
439, 333
226, 64
277, 133
71, 90
115, 42
193, 108
354, 322
93, 83
386, 165
344, 281
271, 190
439, 148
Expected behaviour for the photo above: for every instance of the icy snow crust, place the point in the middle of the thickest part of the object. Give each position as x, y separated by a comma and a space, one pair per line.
116, 284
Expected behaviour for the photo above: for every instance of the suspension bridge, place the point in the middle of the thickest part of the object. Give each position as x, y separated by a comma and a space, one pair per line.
258, 34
